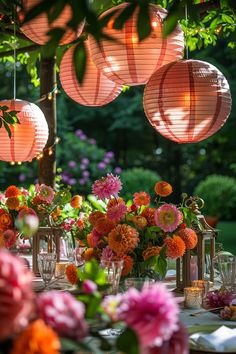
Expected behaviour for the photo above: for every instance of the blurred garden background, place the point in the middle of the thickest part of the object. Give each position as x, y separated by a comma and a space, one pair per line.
118, 138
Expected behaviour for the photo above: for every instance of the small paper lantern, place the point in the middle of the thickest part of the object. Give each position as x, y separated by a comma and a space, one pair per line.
128, 61
29, 137
95, 90
37, 28
187, 101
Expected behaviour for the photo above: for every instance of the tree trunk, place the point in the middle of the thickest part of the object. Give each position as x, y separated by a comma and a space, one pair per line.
47, 164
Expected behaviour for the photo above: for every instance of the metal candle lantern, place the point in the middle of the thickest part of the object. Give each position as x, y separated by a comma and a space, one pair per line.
205, 233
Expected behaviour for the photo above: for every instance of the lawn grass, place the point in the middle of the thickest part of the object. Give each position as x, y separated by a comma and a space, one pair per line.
227, 235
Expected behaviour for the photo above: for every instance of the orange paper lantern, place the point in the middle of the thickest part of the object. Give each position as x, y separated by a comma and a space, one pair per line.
95, 90
130, 62
37, 28
29, 137
187, 101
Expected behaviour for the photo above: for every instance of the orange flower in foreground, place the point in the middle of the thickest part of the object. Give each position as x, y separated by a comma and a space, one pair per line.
38, 338
151, 251
5, 221
94, 216
189, 237
163, 188
76, 201
123, 239
114, 201
175, 247
12, 191
104, 225
141, 198
89, 253
148, 214
71, 274
13, 203
139, 221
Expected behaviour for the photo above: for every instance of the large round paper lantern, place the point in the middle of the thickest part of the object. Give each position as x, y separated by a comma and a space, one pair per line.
95, 90
128, 61
28, 138
37, 28
187, 101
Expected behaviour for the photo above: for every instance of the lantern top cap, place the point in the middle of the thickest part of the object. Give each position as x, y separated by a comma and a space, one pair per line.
195, 203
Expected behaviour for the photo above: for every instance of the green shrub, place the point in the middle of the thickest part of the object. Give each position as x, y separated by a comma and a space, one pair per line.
137, 180
219, 195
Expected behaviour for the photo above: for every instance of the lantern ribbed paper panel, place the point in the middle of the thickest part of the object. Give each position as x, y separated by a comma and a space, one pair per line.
95, 90
130, 62
37, 28
29, 137
187, 101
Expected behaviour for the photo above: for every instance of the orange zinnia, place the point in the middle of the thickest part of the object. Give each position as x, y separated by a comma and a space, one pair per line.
37, 338
139, 221
127, 266
114, 201
76, 201
6, 221
71, 274
94, 216
104, 225
12, 191
163, 188
148, 214
123, 239
189, 237
141, 198
151, 251
13, 203
175, 247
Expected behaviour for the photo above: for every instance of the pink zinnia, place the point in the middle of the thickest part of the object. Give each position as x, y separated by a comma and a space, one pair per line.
45, 193
117, 212
168, 217
62, 312
151, 313
107, 254
107, 186
141, 198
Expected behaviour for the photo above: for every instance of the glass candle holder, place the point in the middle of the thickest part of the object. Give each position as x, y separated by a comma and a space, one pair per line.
113, 270
203, 284
193, 297
60, 269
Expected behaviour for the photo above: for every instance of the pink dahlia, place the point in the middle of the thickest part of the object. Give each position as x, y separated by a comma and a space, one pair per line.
168, 217
16, 294
107, 186
62, 312
44, 193
117, 212
141, 198
151, 313
111, 304
107, 254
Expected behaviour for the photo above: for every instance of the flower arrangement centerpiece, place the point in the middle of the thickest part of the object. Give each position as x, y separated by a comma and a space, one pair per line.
142, 234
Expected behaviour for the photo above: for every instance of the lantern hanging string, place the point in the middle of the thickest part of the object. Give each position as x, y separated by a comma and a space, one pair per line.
186, 34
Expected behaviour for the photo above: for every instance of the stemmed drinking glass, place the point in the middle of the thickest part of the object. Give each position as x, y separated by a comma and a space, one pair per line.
47, 265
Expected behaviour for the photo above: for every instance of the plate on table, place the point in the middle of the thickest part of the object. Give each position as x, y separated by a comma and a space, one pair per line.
195, 331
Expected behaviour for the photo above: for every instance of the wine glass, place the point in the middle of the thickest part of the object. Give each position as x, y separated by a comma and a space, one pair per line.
113, 270
47, 264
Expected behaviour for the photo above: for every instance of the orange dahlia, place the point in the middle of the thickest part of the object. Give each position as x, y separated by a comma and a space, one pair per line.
139, 221
114, 201
76, 201
151, 251
13, 203
89, 253
71, 274
104, 225
6, 221
141, 198
12, 191
148, 214
128, 265
189, 237
37, 338
163, 188
123, 239
175, 247
94, 216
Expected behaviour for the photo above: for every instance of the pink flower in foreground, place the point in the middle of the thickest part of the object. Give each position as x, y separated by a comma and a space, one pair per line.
88, 286
16, 294
141, 198
168, 217
107, 186
151, 313
110, 305
107, 254
44, 193
10, 237
117, 212
26, 211
62, 312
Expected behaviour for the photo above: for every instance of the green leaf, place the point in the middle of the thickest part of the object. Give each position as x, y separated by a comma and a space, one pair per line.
161, 266
124, 16
3, 108
8, 118
79, 59
42, 6
143, 22
6, 126
0, 123
127, 342
49, 49
56, 10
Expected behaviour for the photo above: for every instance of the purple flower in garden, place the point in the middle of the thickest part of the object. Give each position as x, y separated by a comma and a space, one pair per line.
22, 177
101, 165
106, 159
85, 173
83, 167
71, 181
85, 161
107, 186
89, 287
117, 170
151, 313
62, 312
109, 154
83, 137
72, 164
82, 181
79, 132
92, 141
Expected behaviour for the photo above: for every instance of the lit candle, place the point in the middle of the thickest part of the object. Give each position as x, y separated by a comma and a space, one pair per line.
193, 297
203, 284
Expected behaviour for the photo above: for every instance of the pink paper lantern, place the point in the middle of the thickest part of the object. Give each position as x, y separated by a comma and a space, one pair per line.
37, 28
95, 90
29, 137
187, 101
130, 62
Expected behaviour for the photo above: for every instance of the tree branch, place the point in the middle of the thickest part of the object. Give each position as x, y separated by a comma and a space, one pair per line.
29, 48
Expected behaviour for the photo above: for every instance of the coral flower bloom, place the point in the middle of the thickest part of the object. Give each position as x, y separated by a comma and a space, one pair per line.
94, 216
13, 203
175, 247
12, 191
189, 237
141, 198
71, 274
5, 220
163, 188
123, 239
151, 251
76, 202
